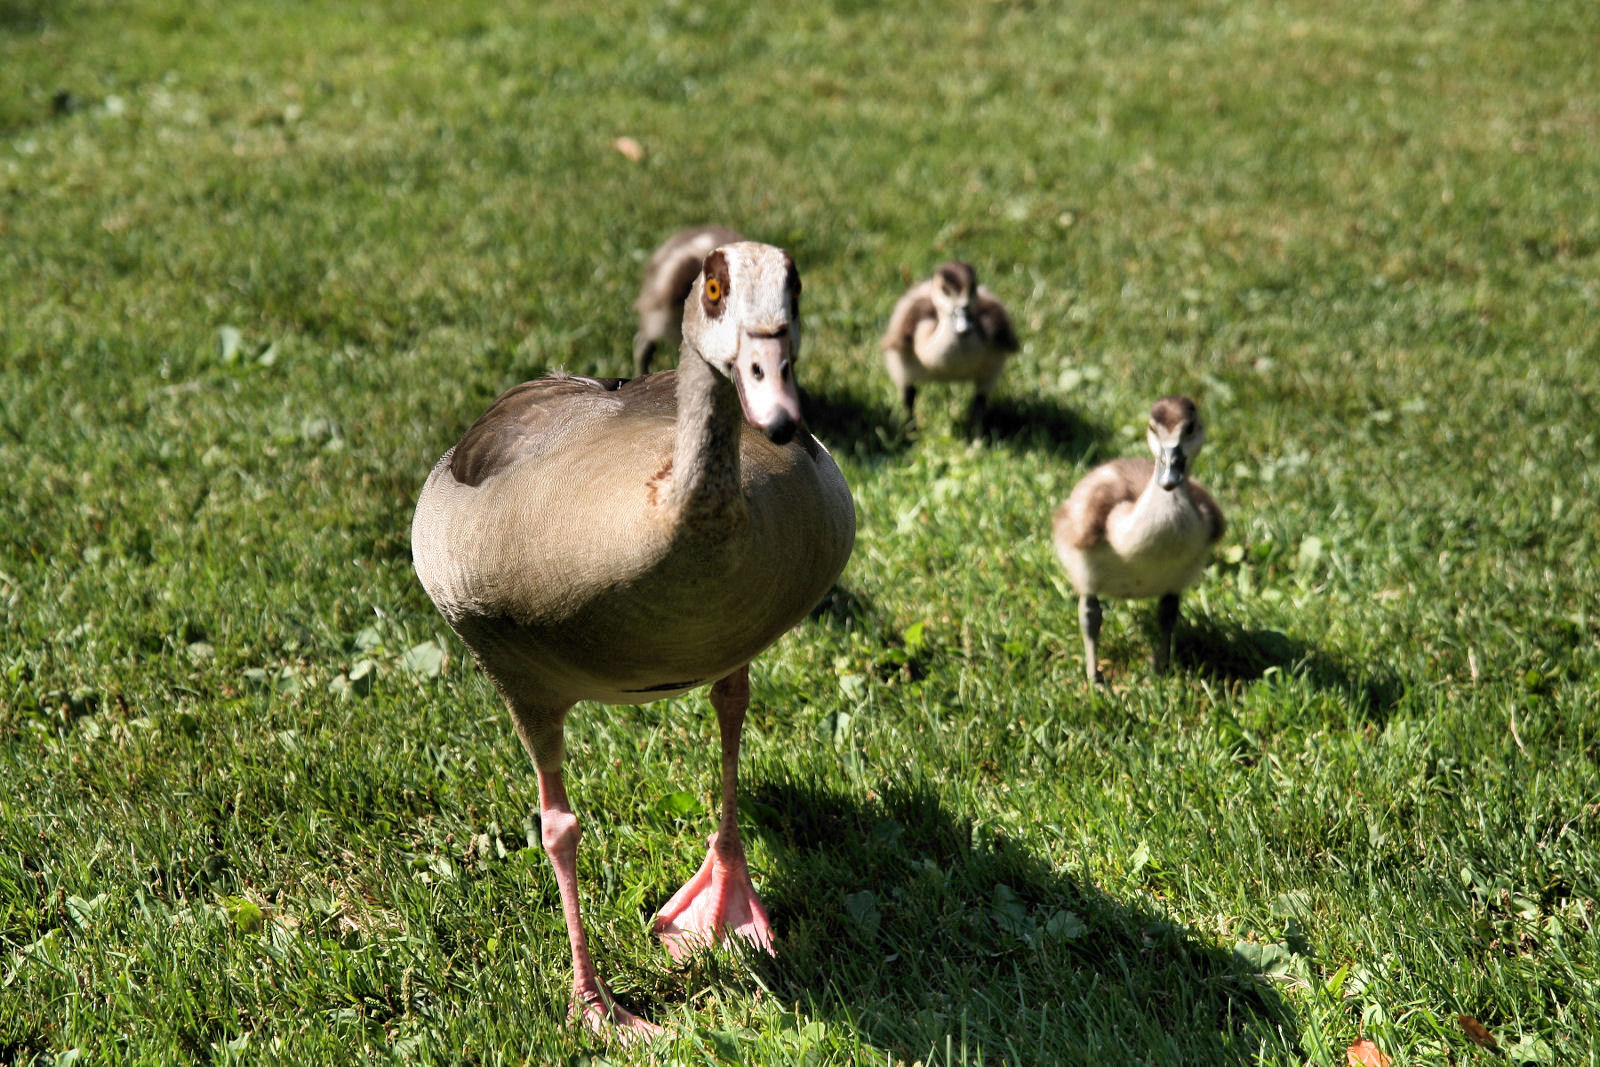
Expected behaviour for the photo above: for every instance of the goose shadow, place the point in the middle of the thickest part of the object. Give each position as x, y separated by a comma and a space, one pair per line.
1228, 652
916, 930
1043, 424
841, 609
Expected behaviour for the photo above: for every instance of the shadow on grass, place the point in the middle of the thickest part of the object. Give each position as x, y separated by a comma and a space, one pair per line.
899, 921
1041, 424
1232, 653
840, 609
872, 432
847, 424
24, 16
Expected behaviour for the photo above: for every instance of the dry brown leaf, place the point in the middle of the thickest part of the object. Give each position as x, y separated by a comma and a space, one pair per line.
1365, 1054
1477, 1033
630, 148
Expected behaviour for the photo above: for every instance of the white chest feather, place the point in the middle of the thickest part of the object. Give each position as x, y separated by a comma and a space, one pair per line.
1157, 524
948, 354
1158, 544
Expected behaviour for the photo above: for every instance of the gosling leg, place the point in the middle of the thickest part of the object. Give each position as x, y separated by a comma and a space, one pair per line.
1166, 623
976, 413
1089, 623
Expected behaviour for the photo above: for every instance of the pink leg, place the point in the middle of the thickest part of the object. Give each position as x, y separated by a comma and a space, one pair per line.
590, 997
720, 896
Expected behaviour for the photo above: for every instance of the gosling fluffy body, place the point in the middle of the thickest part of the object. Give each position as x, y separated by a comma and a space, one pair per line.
1140, 528
948, 329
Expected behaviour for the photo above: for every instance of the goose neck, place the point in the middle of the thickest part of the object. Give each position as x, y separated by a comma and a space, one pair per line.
705, 481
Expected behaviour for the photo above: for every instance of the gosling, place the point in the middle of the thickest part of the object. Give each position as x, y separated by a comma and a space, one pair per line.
949, 328
668, 276
1137, 529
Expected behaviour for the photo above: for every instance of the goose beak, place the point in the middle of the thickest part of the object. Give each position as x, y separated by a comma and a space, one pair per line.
1172, 468
961, 320
767, 390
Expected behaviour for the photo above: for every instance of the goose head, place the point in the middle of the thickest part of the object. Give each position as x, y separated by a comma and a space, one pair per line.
954, 290
1175, 435
743, 318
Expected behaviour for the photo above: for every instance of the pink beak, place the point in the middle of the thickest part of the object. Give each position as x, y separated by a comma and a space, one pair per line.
767, 391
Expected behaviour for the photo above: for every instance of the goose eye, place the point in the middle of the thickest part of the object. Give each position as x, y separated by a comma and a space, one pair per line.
713, 290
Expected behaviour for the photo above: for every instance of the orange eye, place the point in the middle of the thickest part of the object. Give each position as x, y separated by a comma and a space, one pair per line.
713, 290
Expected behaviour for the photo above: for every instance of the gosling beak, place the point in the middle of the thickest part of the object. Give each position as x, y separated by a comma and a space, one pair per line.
764, 375
961, 320
1172, 468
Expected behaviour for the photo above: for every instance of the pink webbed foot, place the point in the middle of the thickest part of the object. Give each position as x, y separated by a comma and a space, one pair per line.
719, 899
604, 1017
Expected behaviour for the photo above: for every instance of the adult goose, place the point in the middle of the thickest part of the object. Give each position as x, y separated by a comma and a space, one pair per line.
668, 276
625, 541
1136, 529
949, 328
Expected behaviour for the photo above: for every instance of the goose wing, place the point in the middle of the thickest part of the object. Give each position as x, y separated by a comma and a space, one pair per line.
523, 421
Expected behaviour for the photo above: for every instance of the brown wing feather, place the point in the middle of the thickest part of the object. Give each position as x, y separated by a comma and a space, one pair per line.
1086, 510
914, 307
681, 280
673, 267
517, 420
996, 323
1209, 511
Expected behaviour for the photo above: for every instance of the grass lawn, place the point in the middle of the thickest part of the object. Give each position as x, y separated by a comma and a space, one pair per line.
260, 264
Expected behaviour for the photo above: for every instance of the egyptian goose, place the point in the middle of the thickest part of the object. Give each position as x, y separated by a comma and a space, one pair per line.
948, 328
625, 541
670, 272
1137, 529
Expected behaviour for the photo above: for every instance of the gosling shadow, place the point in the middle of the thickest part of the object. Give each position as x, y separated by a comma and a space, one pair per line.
850, 425
917, 930
1042, 424
1228, 652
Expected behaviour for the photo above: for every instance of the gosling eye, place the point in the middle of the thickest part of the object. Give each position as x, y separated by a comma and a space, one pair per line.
756, 372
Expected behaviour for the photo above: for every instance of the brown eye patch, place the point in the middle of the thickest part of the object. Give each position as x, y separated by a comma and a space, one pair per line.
714, 293
957, 277
792, 280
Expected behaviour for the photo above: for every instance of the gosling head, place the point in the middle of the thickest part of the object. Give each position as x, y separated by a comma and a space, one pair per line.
1175, 435
743, 318
955, 288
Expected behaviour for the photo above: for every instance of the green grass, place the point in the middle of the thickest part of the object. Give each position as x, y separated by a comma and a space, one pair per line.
260, 265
